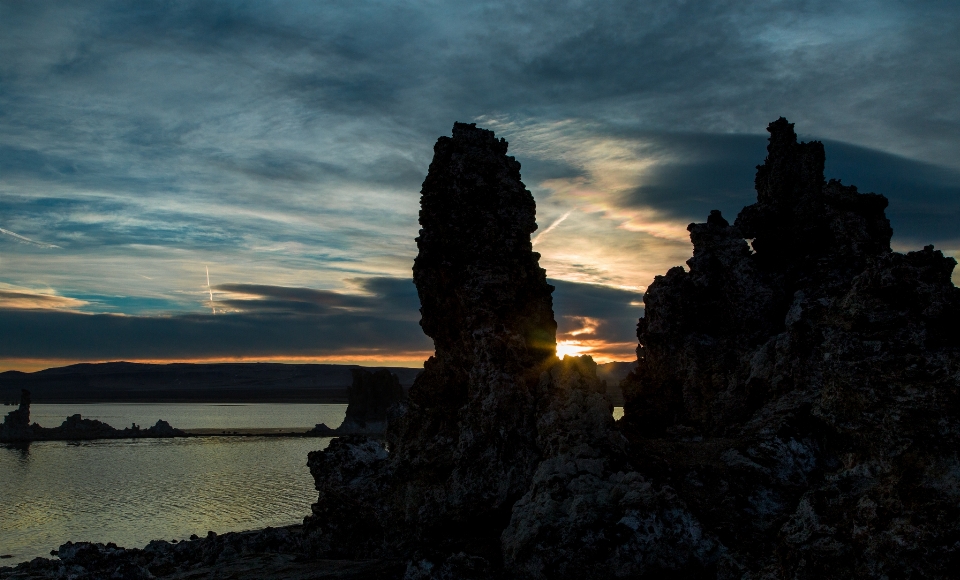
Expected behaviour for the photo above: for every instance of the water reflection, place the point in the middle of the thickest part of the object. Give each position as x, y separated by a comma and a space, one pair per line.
21, 450
133, 491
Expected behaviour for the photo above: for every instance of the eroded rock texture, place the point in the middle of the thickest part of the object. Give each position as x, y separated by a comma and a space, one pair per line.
466, 448
800, 392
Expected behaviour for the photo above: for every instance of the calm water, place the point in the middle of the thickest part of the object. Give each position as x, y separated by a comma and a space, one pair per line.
134, 491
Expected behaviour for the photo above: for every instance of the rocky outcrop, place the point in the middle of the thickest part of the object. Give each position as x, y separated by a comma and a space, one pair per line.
507, 461
374, 397
16, 424
271, 553
588, 514
17, 428
798, 386
465, 449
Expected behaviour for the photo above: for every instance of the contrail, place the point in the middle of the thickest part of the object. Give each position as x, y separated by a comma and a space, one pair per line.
550, 227
27, 240
209, 289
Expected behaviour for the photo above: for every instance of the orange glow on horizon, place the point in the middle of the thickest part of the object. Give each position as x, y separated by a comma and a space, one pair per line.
600, 351
404, 359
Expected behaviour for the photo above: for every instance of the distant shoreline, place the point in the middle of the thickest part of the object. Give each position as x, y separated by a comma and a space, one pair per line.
153, 397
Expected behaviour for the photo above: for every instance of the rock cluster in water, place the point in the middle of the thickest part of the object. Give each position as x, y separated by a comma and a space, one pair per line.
16, 428
373, 398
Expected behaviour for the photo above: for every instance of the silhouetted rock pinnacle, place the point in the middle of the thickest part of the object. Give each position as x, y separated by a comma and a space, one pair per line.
802, 398
466, 448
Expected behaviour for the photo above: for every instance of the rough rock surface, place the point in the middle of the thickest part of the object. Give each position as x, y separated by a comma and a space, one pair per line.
17, 428
465, 449
373, 398
271, 553
801, 393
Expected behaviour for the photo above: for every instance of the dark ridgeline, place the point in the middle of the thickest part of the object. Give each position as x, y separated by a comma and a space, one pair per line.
190, 383
793, 413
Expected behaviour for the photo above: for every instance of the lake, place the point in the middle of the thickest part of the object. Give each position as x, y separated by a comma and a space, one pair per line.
131, 491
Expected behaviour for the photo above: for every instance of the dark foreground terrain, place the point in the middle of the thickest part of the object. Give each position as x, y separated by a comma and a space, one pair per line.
794, 412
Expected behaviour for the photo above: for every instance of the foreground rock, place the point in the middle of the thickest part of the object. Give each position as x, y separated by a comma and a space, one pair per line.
466, 448
272, 553
507, 461
374, 397
802, 397
16, 428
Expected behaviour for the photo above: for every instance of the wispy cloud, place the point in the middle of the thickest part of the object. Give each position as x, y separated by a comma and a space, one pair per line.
27, 240
551, 227
22, 298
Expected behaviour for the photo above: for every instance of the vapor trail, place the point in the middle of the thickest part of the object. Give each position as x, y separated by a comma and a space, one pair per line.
209, 289
27, 240
550, 228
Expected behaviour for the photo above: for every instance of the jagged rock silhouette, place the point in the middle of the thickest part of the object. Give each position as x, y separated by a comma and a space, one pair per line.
466, 448
802, 397
794, 412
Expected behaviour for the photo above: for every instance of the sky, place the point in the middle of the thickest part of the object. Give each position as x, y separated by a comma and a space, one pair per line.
239, 181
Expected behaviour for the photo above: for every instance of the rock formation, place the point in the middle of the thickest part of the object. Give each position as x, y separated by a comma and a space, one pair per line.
506, 458
373, 398
801, 392
17, 428
16, 425
465, 449
793, 412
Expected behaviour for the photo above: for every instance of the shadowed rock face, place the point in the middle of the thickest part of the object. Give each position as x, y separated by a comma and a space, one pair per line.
466, 447
802, 397
373, 396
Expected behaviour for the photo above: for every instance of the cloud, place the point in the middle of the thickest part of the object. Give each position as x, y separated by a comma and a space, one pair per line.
381, 317
284, 143
27, 240
31, 300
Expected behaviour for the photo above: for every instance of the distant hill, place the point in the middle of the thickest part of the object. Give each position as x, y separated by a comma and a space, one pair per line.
124, 382
184, 382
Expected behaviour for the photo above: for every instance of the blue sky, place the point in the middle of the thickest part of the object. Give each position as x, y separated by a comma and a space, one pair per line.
281, 146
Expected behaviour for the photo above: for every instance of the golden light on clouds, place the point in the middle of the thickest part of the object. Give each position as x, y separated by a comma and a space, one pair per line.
26, 299
583, 340
590, 231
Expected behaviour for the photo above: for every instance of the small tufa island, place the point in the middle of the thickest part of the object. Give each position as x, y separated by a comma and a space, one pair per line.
16, 428
794, 412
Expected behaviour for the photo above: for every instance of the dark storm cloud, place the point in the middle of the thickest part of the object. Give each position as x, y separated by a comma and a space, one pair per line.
267, 321
388, 298
277, 320
47, 334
